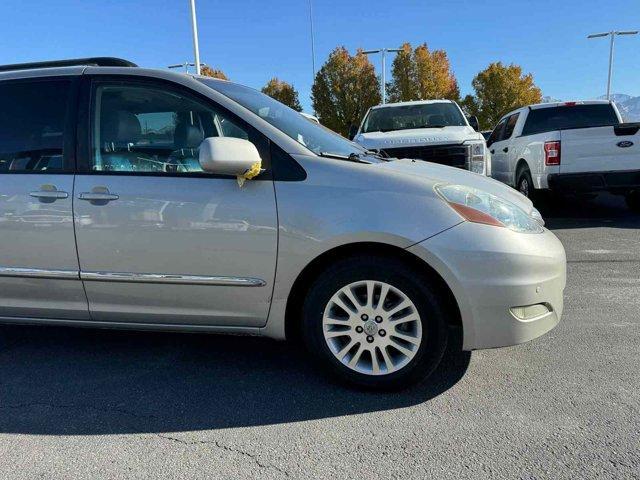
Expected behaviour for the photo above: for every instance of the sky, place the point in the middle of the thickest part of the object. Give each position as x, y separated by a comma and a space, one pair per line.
255, 40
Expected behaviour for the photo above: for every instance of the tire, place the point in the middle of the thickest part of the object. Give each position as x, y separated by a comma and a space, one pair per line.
633, 200
423, 322
524, 183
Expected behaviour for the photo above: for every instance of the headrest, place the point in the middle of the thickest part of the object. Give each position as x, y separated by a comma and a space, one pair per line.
120, 127
187, 136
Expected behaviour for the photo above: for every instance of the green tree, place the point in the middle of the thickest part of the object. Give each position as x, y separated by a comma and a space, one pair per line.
283, 92
344, 89
207, 71
498, 90
422, 74
403, 73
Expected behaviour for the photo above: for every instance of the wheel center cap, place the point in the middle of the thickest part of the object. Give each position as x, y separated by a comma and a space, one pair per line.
370, 327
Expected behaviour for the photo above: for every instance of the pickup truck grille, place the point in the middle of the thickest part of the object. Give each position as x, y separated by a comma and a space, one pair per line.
452, 155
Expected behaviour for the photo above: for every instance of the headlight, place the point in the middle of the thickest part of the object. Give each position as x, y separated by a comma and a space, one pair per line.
477, 152
482, 207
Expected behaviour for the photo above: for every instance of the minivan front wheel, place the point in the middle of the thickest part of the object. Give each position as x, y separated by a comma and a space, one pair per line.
375, 322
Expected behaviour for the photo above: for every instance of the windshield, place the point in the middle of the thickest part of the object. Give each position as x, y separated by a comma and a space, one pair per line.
316, 138
404, 117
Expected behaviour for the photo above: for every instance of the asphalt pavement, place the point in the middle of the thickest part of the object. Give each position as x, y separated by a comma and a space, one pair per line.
78, 403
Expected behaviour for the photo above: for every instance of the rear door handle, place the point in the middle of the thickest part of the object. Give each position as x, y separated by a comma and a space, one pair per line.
104, 197
49, 192
505, 149
493, 151
98, 194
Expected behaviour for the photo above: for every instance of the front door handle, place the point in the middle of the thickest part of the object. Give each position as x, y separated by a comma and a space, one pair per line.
492, 151
98, 194
505, 149
49, 193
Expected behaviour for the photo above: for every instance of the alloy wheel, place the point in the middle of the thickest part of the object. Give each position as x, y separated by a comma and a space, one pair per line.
372, 327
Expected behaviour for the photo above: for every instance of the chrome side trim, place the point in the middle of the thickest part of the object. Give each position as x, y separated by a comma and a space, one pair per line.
39, 273
169, 278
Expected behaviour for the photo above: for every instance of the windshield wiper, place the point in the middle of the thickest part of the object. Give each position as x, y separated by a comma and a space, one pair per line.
352, 157
376, 152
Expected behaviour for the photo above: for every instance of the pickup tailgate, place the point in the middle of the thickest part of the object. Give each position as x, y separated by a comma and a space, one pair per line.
600, 149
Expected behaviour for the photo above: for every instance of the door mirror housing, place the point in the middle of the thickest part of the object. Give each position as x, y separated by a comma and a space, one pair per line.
353, 131
473, 122
227, 155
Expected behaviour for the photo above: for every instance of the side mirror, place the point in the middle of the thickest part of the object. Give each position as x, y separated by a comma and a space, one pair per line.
353, 131
227, 155
473, 122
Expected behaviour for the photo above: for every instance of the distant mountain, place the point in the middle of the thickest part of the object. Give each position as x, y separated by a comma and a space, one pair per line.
628, 105
618, 98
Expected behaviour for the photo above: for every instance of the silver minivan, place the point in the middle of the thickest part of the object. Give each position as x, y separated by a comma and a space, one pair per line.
146, 199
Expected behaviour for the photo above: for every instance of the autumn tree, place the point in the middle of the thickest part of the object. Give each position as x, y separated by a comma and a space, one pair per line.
207, 71
498, 90
403, 86
344, 89
283, 92
422, 74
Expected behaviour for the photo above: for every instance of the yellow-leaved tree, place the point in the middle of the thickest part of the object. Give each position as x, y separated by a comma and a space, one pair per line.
422, 74
344, 89
283, 92
498, 90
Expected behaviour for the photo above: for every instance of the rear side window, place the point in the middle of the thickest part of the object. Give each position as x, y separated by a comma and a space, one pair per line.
511, 125
569, 116
496, 135
33, 116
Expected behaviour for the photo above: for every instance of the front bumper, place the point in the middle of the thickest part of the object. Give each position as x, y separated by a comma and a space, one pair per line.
614, 181
492, 270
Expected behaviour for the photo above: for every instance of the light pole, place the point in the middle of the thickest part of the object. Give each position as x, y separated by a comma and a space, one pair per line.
384, 67
613, 36
313, 46
194, 28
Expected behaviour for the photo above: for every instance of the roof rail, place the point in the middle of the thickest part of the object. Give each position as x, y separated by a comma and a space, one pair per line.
90, 62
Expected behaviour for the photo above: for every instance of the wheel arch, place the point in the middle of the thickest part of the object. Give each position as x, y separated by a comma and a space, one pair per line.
314, 268
521, 164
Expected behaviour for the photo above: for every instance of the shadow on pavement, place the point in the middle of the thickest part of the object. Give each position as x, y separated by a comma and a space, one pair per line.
65, 381
605, 210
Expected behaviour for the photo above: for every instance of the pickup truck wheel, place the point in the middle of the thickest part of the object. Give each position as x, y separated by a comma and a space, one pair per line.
633, 200
375, 322
524, 183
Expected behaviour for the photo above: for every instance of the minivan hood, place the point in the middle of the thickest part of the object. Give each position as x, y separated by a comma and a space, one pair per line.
434, 174
417, 137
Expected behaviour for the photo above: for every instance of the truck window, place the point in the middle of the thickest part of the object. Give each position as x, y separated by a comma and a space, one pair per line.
496, 135
569, 116
511, 124
406, 117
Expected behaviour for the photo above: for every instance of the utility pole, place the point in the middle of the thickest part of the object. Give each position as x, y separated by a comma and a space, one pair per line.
194, 28
613, 35
384, 67
313, 41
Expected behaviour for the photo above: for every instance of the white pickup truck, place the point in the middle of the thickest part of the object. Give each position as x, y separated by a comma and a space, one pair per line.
432, 130
569, 147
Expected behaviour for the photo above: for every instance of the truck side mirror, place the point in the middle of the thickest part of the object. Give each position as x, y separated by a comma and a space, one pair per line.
473, 122
353, 131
